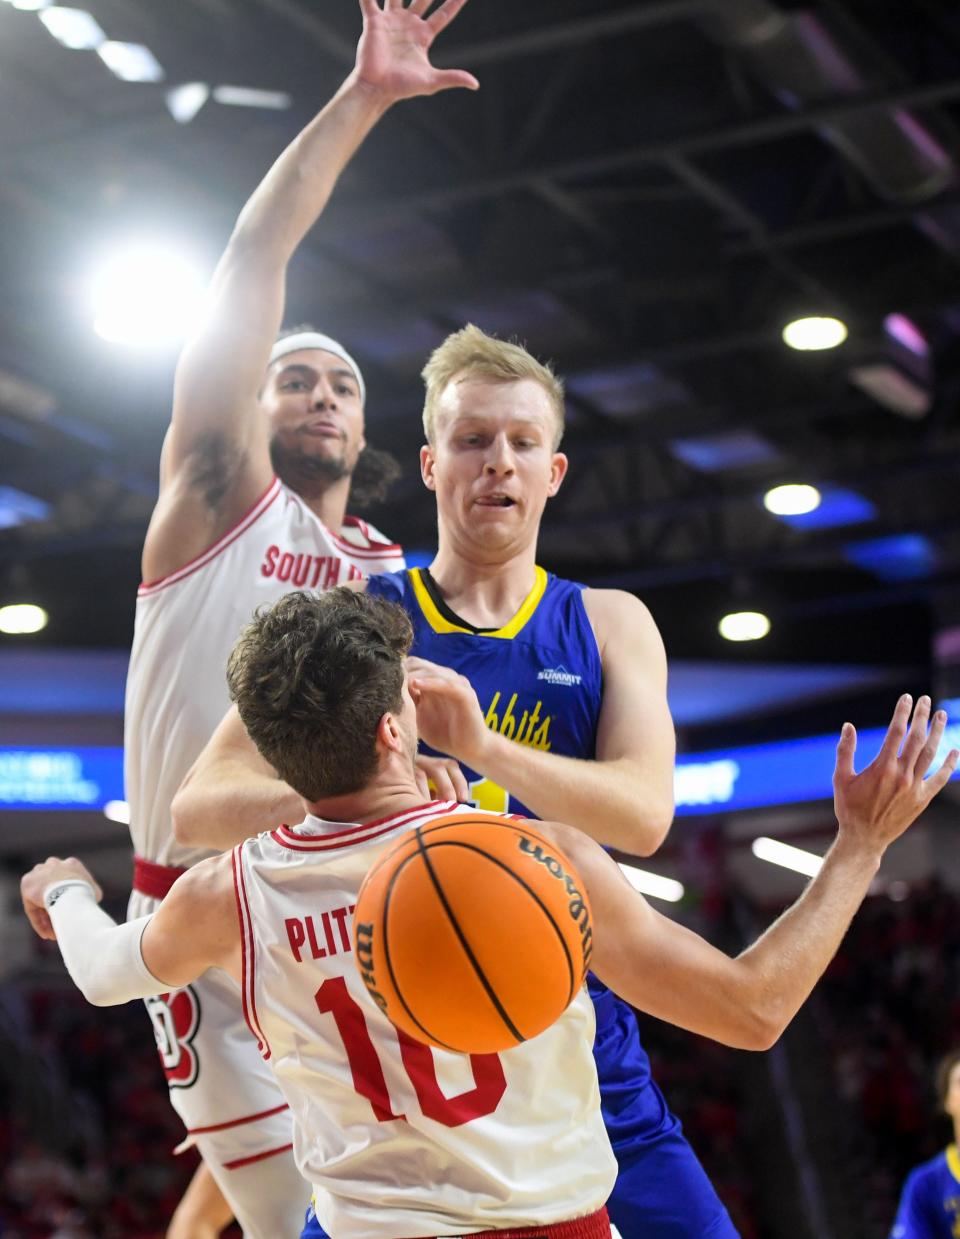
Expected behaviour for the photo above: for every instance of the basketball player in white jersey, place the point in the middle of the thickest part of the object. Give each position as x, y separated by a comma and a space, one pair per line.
398, 1139
255, 473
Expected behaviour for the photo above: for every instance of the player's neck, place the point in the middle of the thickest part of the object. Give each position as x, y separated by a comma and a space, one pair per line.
371, 804
327, 501
485, 594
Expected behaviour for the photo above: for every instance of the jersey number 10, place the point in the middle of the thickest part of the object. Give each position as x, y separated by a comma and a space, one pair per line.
490, 1084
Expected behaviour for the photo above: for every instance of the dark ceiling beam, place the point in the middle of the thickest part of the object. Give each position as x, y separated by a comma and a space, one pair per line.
560, 35
356, 214
712, 499
854, 225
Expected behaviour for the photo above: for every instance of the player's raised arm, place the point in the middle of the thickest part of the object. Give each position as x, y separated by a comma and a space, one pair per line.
664, 969
195, 928
216, 462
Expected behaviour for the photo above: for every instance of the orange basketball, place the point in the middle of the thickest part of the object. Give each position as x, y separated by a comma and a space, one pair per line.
473, 933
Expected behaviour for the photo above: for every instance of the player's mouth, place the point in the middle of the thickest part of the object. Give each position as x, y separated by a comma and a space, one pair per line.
322, 429
496, 500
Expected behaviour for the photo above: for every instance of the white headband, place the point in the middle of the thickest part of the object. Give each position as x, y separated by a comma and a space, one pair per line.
314, 339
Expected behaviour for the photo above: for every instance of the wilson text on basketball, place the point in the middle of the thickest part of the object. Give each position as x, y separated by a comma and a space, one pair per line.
576, 904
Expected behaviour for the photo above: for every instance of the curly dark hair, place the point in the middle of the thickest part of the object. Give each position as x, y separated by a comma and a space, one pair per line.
312, 676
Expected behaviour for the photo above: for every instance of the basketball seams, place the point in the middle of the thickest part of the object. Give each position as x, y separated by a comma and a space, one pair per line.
462, 938
386, 951
495, 860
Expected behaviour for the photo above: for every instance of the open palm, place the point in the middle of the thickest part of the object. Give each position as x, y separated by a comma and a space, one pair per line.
394, 52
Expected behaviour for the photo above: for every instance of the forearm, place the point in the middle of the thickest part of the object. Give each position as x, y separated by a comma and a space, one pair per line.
610, 801
230, 803
103, 958
780, 970
292, 195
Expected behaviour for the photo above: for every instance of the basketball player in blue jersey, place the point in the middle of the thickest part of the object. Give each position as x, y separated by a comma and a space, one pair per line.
552, 697
930, 1201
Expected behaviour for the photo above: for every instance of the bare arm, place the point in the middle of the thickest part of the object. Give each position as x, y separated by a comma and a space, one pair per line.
668, 971
230, 792
216, 459
632, 775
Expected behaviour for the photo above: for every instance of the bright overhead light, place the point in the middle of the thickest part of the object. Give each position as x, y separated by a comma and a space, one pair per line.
744, 626
148, 296
653, 884
810, 335
73, 28
184, 102
792, 499
248, 97
117, 811
31, 6
22, 617
787, 856
131, 62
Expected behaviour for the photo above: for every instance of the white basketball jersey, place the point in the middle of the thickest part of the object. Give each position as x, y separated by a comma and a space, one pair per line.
398, 1138
186, 625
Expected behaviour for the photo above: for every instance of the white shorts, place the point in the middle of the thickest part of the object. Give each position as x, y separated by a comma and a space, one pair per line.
227, 1096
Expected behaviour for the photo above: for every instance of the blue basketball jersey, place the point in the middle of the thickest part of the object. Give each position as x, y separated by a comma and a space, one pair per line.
930, 1201
539, 681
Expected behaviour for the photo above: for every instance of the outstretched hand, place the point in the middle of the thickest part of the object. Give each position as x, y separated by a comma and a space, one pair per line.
34, 883
876, 806
393, 57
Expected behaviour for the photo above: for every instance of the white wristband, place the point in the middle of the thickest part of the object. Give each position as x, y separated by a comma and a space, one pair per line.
53, 892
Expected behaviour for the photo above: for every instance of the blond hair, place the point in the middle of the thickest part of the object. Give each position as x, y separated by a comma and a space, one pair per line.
471, 353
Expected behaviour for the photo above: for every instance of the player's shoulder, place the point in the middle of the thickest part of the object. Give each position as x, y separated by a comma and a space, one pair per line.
389, 585
614, 612
926, 1177
205, 883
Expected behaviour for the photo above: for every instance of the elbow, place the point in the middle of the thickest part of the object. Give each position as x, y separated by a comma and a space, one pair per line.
184, 819
649, 834
760, 1029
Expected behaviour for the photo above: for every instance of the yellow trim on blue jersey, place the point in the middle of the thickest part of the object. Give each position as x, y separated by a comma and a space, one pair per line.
953, 1161
439, 624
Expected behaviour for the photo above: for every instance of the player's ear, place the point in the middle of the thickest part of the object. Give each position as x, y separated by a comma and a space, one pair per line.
427, 466
389, 734
558, 471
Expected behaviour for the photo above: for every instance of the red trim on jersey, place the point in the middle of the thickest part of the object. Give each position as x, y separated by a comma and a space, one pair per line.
287, 837
152, 879
251, 515
249, 1118
593, 1226
386, 549
247, 961
257, 1157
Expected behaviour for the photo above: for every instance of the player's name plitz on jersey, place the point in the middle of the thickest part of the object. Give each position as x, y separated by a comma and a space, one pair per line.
330, 937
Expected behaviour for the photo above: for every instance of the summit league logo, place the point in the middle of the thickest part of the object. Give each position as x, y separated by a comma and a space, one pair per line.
560, 675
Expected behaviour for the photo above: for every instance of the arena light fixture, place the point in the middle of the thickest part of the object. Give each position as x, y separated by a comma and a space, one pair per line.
184, 102
73, 28
131, 62
792, 499
31, 6
20, 618
810, 335
248, 97
653, 884
117, 811
787, 856
744, 626
146, 295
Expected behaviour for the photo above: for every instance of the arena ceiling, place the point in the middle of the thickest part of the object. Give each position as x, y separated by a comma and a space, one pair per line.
643, 192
